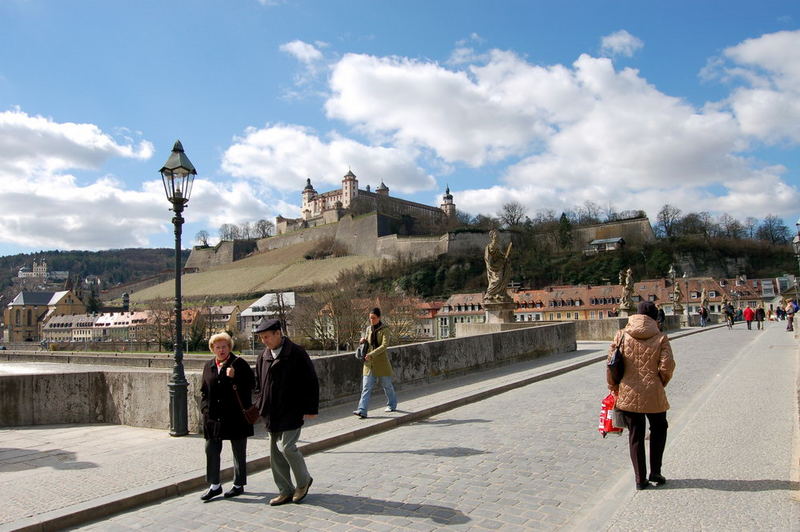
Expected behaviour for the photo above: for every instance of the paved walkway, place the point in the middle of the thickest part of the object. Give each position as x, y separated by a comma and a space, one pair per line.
527, 459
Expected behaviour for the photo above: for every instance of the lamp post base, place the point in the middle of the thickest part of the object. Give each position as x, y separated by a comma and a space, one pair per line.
178, 412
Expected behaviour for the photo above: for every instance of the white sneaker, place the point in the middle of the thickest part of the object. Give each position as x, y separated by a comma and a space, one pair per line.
389, 409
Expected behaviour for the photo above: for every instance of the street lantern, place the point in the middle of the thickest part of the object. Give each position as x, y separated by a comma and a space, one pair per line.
796, 246
177, 174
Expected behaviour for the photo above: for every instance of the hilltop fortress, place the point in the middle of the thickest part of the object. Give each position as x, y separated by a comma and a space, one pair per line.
375, 224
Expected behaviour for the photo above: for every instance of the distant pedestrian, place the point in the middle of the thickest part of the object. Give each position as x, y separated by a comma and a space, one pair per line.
662, 318
760, 315
222, 413
749, 315
703, 312
377, 367
648, 368
728, 312
288, 394
789, 310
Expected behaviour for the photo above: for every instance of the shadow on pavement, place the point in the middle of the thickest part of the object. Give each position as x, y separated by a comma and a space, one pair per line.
730, 484
451, 452
33, 458
349, 504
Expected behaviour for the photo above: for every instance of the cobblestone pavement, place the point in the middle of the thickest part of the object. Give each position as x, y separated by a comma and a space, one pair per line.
72, 468
532, 459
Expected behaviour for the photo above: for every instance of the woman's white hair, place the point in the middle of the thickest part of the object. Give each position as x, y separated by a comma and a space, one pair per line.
220, 336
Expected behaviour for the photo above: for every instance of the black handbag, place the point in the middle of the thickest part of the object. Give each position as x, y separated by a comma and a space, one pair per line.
362, 350
616, 366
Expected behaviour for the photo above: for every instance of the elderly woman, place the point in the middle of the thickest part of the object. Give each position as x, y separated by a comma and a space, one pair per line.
223, 418
640, 393
377, 367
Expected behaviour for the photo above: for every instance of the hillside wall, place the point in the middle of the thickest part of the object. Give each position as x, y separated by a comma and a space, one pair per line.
635, 232
227, 251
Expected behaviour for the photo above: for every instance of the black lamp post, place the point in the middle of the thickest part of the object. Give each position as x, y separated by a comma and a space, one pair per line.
796, 246
177, 175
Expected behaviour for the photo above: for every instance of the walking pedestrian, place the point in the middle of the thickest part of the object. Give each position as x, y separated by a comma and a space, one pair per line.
703, 312
749, 316
662, 317
760, 315
223, 418
649, 366
790, 310
377, 367
288, 394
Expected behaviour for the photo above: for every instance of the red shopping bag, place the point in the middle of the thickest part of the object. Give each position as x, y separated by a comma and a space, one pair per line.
606, 416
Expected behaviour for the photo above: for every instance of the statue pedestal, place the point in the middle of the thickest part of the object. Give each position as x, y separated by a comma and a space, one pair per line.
499, 312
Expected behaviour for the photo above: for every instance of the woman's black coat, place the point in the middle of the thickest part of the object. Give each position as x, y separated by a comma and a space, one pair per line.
218, 402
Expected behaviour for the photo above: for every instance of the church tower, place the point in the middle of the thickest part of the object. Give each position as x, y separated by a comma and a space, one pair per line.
447, 205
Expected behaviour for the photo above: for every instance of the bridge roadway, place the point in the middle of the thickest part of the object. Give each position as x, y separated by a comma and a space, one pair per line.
530, 458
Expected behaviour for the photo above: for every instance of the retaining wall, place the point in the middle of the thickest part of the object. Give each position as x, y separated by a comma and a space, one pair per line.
141, 398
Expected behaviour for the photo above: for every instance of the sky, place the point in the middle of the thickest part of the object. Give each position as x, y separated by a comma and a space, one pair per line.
626, 104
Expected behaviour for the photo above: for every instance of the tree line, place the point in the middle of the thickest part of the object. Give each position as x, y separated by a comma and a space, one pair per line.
244, 231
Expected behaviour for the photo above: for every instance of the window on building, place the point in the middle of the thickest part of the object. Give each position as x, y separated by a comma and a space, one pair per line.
558, 315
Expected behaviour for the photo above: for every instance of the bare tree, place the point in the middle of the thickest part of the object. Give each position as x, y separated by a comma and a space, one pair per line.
589, 213
666, 219
750, 226
401, 316
512, 214
226, 232
731, 227
773, 230
308, 320
245, 231
162, 322
202, 238
263, 228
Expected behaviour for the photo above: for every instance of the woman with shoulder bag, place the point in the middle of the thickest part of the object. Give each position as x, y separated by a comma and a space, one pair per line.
640, 393
225, 376
377, 367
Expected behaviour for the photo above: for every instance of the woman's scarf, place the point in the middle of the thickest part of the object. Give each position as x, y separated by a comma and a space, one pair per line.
373, 337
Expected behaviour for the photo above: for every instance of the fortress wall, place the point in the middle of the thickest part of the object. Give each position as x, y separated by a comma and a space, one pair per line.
470, 243
202, 259
636, 232
309, 234
359, 235
414, 247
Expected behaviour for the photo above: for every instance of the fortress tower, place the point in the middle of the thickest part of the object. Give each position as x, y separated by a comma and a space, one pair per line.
447, 205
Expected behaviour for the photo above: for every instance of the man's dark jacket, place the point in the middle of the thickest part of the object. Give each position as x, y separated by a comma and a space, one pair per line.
288, 387
218, 402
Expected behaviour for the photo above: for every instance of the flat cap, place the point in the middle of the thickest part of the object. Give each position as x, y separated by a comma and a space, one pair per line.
267, 325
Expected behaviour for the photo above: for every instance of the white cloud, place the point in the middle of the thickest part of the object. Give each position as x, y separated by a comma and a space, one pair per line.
769, 106
424, 104
43, 205
620, 43
302, 51
35, 143
284, 156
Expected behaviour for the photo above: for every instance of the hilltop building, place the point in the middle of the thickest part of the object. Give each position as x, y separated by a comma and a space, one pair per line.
328, 207
40, 271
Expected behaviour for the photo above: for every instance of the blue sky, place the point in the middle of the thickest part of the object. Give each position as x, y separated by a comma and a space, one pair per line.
629, 105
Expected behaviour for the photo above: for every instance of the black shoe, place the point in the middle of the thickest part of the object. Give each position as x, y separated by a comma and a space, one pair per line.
359, 414
211, 493
234, 491
658, 480
643, 486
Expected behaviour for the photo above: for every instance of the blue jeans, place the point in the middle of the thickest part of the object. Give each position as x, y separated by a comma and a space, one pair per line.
368, 383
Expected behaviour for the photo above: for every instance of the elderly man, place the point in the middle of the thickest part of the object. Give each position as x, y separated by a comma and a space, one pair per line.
288, 394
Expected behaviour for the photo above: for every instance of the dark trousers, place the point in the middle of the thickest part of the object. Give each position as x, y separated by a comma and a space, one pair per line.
635, 423
214, 449
749, 322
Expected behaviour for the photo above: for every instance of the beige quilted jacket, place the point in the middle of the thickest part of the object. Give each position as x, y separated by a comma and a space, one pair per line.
648, 366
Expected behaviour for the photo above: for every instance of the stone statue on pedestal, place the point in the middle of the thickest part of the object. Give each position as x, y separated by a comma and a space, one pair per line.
677, 297
704, 299
626, 299
498, 271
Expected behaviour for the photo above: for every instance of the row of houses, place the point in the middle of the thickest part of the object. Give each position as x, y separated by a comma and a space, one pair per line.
61, 316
